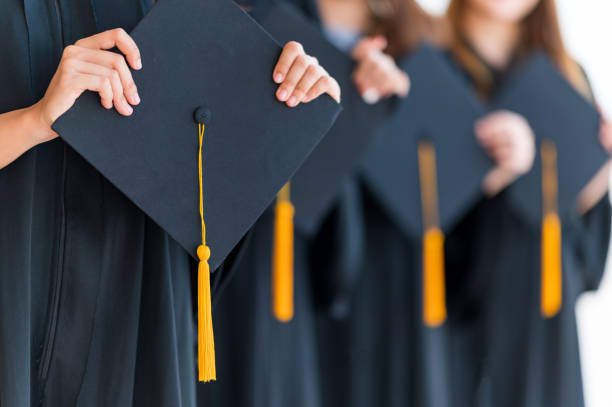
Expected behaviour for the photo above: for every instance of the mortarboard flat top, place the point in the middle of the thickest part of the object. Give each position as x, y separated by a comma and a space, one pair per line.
555, 111
195, 54
440, 107
319, 181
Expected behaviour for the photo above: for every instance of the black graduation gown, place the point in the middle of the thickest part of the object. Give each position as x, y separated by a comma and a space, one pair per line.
262, 362
96, 299
504, 352
373, 346
380, 353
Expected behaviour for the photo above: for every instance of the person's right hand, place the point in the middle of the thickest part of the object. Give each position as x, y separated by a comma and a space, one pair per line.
87, 65
510, 142
376, 74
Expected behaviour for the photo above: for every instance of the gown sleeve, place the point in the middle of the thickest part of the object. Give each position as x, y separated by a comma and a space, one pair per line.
589, 234
336, 253
589, 238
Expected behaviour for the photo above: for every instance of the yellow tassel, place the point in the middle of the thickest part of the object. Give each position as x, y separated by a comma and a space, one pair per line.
551, 277
434, 292
282, 258
551, 265
206, 343
434, 288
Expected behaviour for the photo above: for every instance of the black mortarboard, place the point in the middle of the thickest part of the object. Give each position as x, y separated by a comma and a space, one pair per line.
441, 108
557, 112
319, 181
427, 167
207, 55
565, 126
207, 97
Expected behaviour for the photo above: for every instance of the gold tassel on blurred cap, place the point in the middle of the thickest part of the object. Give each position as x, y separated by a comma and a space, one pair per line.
551, 284
282, 257
434, 289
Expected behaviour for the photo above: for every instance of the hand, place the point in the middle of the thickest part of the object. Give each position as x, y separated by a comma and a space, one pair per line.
598, 185
605, 134
509, 141
376, 75
87, 66
301, 78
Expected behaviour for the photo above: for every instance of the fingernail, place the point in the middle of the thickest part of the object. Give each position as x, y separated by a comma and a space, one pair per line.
129, 109
370, 96
278, 77
305, 99
283, 95
292, 101
136, 98
138, 64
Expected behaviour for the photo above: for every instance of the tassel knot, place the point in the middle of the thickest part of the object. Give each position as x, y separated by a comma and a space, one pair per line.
203, 252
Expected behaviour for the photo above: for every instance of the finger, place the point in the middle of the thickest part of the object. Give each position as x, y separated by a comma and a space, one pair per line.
117, 92
367, 45
404, 89
119, 101
95, 83
117, 63
605, 136
310, 77
290, 51
367, 79
114, 38
502, 154
325, 84
295, 73
89, 68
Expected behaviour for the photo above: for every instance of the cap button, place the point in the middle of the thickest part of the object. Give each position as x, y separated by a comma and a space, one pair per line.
202, 115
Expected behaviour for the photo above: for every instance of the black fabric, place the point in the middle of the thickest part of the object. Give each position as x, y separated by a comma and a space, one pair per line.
261, 361
381, 353
152, 156
318, 184
80, 266
440, 108
556, 112
504, 352
337, 253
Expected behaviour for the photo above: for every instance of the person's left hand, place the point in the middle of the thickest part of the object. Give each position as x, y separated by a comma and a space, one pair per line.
301, 78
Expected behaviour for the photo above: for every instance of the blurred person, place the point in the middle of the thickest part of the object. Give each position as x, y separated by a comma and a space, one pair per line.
374, 349
504, 352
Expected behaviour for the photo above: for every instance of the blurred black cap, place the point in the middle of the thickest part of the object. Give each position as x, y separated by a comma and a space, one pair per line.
440, 109
557, 112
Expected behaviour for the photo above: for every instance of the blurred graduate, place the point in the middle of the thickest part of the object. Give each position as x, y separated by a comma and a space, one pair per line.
374, 347
511, 314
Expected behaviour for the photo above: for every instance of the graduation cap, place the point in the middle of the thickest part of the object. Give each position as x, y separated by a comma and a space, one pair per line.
566, 127
209, 145
427, 166
316, 185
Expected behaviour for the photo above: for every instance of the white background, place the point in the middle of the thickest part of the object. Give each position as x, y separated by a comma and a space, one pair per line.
587, 28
